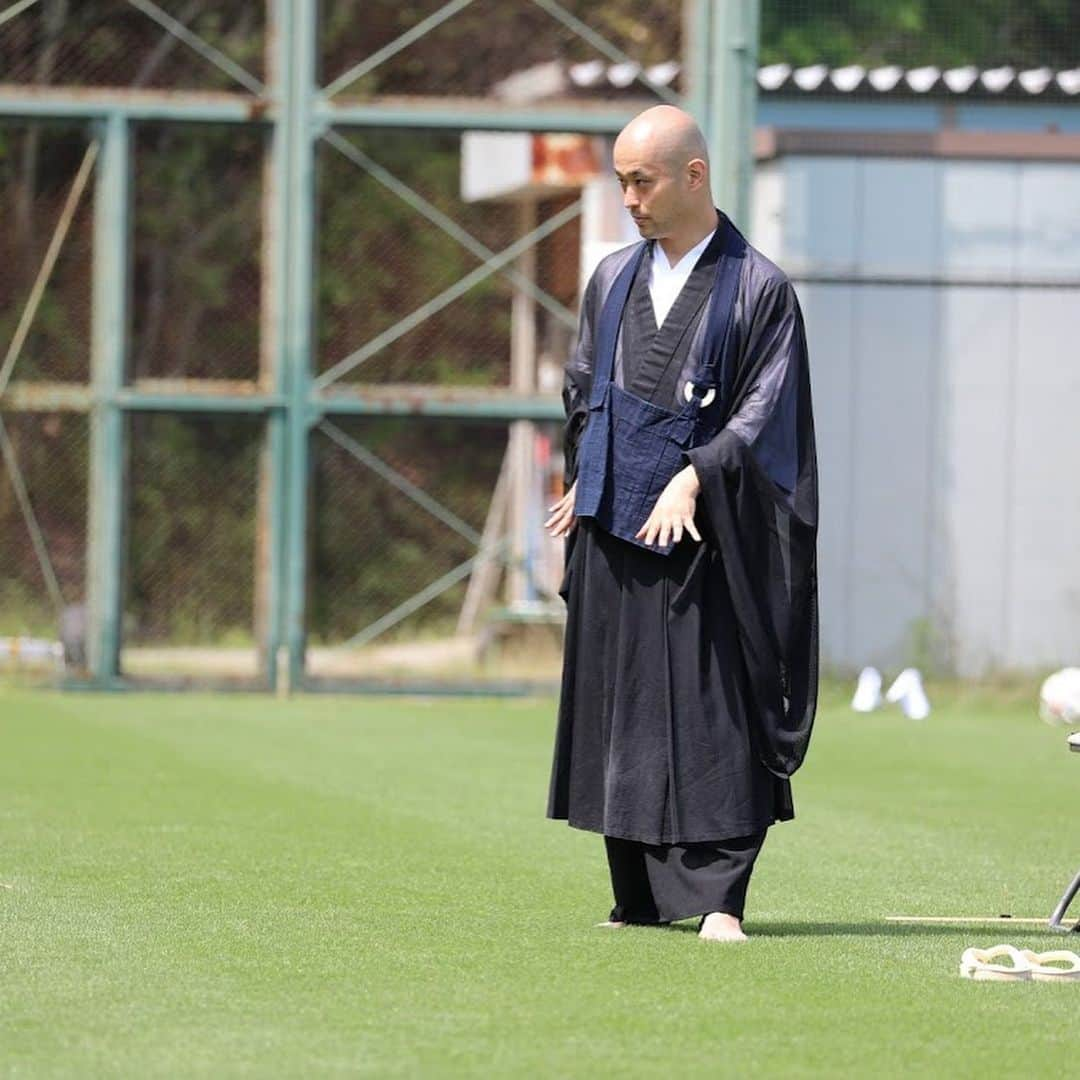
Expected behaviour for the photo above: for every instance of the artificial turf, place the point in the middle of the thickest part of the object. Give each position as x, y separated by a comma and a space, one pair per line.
212, 885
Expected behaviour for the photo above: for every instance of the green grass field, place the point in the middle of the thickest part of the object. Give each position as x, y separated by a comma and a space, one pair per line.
212, 885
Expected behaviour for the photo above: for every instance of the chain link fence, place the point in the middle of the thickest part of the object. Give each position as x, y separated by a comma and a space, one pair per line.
43, 521
196, 259
449, 240
424, 555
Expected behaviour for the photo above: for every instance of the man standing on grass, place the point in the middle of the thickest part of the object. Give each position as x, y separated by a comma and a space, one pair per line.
690, 669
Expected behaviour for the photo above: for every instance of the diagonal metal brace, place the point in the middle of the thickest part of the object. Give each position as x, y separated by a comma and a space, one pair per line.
426, 595
15, 9
602, 45
598, 41
446, 297
71, 204
447, 224
37, 538
203, 47
404, 485
402, 41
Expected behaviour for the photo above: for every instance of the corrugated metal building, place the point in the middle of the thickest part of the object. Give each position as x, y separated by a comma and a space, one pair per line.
931, 223
942, 298
938, 262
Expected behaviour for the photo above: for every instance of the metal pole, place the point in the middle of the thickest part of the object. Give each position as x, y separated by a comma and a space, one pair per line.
273, 466
733, 93
1063, 905
301, 44
697, 40
108, 351
522, 432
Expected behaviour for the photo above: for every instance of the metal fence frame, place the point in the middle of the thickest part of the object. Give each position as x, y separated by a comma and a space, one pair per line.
720, 89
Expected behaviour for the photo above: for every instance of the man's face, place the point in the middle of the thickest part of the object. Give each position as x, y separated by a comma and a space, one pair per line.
654, 196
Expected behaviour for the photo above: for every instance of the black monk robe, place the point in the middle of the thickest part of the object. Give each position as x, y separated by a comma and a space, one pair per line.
690, 680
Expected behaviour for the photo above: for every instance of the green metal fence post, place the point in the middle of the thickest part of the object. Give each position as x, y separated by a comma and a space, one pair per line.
108, 349
273, 646
273, 470
697, 41
734, 102
301, 132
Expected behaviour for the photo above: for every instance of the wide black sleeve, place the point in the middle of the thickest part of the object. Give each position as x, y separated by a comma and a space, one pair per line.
759, 499
577, 382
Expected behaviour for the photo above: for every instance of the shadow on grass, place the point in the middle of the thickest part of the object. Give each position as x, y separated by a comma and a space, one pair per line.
873, 928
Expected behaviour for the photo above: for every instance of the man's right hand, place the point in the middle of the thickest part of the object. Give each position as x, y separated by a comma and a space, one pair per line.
562, 520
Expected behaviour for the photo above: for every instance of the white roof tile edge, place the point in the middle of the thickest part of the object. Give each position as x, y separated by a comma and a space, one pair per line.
885, 79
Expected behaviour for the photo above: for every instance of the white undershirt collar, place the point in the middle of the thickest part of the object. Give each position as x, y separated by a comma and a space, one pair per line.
667, 281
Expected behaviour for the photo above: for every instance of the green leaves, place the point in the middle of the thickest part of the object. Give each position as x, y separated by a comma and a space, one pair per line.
916, 32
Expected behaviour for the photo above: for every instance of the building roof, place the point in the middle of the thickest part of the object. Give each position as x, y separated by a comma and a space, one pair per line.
920, 80
555, 78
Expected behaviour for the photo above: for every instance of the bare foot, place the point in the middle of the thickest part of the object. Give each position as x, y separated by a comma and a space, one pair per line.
719, 926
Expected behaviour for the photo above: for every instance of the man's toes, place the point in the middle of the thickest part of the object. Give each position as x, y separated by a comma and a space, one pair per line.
719, 926
725, 935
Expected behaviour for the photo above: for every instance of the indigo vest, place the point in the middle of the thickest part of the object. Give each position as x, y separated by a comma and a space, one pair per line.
632, 448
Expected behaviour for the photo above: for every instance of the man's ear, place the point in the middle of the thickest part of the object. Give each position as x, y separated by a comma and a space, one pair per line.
697, 173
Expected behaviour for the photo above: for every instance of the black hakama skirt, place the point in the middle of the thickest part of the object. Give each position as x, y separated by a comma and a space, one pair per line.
655, 739
663, 883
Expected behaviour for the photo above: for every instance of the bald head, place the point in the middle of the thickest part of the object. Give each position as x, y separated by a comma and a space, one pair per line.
666, 135
662, 163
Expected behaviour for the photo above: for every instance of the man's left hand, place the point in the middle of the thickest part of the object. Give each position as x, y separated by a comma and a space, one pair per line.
674, 511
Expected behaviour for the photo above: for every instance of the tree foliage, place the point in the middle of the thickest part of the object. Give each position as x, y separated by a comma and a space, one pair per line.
986, 33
